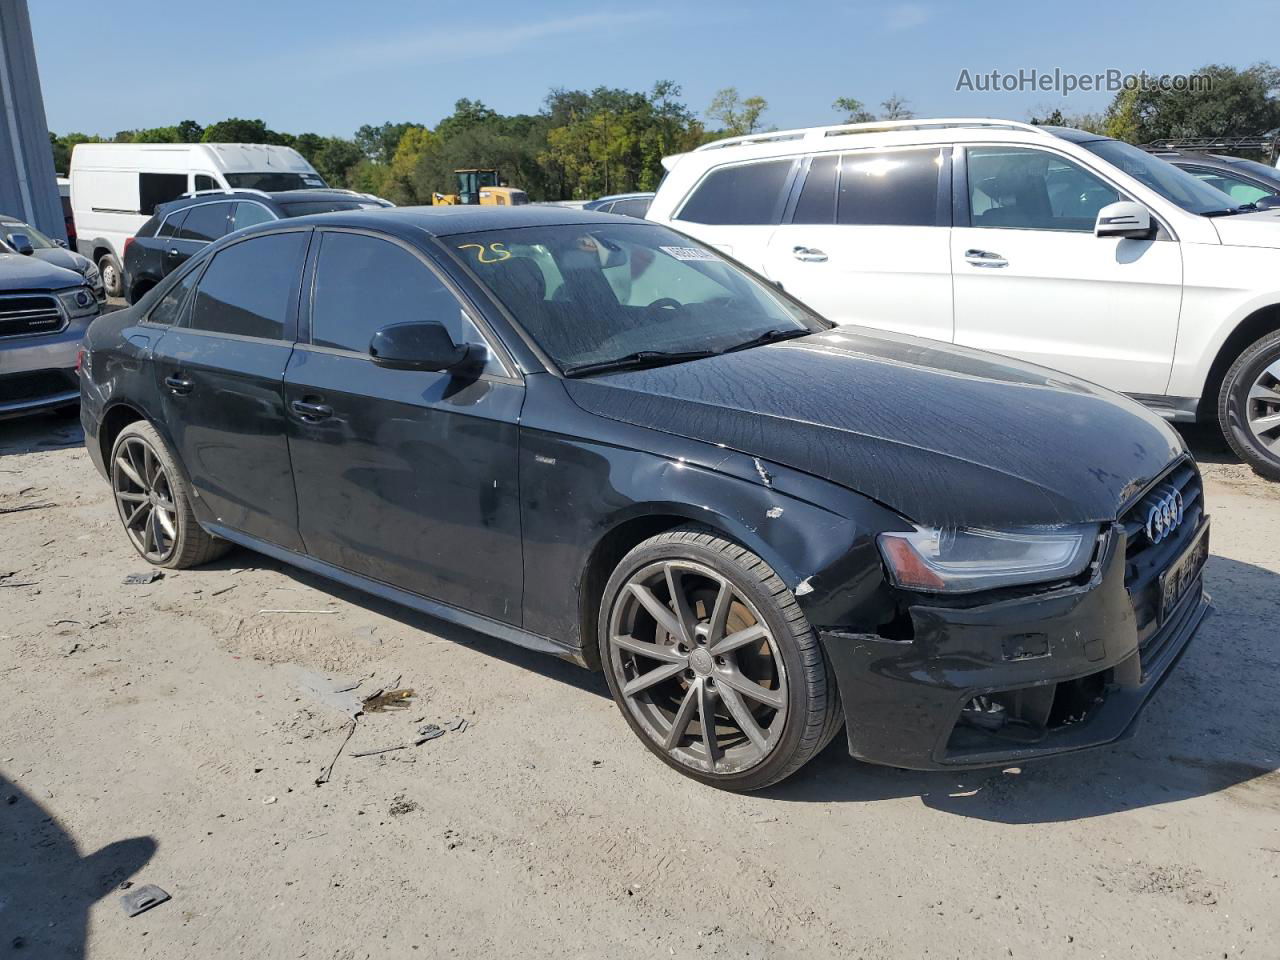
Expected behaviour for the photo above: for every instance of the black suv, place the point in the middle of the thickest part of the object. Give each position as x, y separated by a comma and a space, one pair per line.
188, 224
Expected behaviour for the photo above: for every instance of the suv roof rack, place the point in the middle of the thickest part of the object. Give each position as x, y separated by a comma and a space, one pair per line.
872, 126
1267, 143
221, 190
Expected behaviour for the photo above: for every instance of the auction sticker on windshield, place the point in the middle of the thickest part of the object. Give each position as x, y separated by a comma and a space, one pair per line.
688, 253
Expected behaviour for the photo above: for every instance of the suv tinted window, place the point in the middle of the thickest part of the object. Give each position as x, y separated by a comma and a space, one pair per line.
742, 194
205, 222
635, 207
893, 188
157, 188
170, 306
363, 283
248, 213
1021, 188
249, 286
172, 224
817, 203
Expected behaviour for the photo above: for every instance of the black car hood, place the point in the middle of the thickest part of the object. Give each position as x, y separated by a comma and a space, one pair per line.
942, 434
62, 258
29, 273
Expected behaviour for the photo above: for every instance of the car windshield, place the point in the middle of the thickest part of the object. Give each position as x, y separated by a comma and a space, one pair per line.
302, 208
598, 297
1187, 191
272, 181
1270, 174
37, 239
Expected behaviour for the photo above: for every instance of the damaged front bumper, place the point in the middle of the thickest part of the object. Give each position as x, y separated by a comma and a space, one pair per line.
1011, 680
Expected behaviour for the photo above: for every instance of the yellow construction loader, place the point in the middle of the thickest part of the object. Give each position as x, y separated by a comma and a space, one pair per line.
481, 187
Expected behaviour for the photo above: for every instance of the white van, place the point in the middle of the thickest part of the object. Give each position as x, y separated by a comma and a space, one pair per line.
115, 187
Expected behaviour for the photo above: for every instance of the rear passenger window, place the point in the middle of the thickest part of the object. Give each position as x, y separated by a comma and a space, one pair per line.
172, 224
817, 203
169, 309
158, 188
206, 222
893, 188
248, 288
743, 194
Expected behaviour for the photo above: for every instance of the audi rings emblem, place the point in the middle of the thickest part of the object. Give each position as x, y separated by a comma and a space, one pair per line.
1164, 514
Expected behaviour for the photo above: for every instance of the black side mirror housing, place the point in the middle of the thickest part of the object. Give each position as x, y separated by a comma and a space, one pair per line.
1267, 203
417, 346
21, 243
60, 243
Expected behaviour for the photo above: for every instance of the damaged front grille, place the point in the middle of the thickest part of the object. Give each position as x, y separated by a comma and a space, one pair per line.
1153, 541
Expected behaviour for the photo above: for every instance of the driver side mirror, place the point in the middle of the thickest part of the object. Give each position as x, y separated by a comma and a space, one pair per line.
21, 243
1124, 219
418, 346
1267, 203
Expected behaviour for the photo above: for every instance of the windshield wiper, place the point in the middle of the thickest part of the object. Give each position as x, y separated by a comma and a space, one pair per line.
769, 336
1224, 213
637, 360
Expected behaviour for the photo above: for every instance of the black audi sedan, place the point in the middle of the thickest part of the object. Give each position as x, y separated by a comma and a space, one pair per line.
598, 438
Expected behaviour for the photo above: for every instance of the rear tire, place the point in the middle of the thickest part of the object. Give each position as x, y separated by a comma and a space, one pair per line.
112, 276
737, 646
154, 502
1249, 406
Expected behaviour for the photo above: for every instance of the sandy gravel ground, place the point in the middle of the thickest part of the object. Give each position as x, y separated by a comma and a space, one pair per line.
172, 733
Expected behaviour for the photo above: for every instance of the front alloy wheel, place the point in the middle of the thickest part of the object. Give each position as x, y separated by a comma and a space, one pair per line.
711, 665
1249, 406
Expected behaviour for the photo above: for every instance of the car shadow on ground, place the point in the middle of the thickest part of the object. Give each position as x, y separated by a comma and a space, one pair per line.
46, 885
41, 432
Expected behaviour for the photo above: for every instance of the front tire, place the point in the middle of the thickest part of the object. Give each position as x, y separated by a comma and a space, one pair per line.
1249, 406
154, 503
712, 662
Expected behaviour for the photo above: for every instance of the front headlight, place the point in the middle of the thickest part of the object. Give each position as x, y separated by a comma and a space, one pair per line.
968, 559
78, 302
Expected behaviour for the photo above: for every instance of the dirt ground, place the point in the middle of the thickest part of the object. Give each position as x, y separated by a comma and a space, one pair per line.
172, 733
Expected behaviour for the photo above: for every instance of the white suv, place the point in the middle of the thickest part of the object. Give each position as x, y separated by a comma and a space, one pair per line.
1060, 247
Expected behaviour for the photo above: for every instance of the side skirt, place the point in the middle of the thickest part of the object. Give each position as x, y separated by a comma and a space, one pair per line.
1173, 409
433, 608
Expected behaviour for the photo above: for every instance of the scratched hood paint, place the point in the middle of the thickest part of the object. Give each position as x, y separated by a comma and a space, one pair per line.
944, 435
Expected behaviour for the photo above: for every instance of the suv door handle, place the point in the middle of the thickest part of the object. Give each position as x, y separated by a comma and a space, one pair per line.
985, 258
179, 385
809, 254
311, 412
173, 251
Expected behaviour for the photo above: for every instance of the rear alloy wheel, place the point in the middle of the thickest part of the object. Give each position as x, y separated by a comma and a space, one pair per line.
151, 498
1249, 406
712, 662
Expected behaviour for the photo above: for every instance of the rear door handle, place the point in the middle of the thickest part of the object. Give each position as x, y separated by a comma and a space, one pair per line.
173, 253
311, 412
809, 254
985, 258
179, 385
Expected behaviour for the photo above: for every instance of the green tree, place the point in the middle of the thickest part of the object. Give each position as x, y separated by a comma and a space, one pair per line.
896, 108
735, 115
189, 131
379, 142
1226, 102
854, 110
236, 130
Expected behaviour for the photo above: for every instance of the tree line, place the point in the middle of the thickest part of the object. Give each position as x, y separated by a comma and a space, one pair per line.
585, 144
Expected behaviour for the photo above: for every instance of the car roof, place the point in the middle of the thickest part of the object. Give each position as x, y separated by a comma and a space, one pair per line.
639, 195
443, 221
5, 218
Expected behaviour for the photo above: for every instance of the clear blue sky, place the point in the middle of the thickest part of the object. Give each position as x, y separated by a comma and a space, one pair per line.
328, 67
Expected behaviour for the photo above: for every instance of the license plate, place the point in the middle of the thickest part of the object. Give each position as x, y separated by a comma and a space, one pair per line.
1179, 578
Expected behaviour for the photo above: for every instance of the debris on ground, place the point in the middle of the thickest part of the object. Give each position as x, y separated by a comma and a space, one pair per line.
26, 506
324, 777
374, 753
400, 805
143, 899
268, 799
428, 732
222, 590
381, 700
457, 724
136, 579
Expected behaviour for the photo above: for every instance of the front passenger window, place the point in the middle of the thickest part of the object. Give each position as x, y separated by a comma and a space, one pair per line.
250, 286
1020, 188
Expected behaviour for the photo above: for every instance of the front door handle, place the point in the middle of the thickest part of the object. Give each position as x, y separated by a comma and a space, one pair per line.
179, 385
173, 253
985, 258
809, 254
311, 412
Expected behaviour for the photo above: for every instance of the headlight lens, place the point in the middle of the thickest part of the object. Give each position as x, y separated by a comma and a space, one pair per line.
968, 559
78, 302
